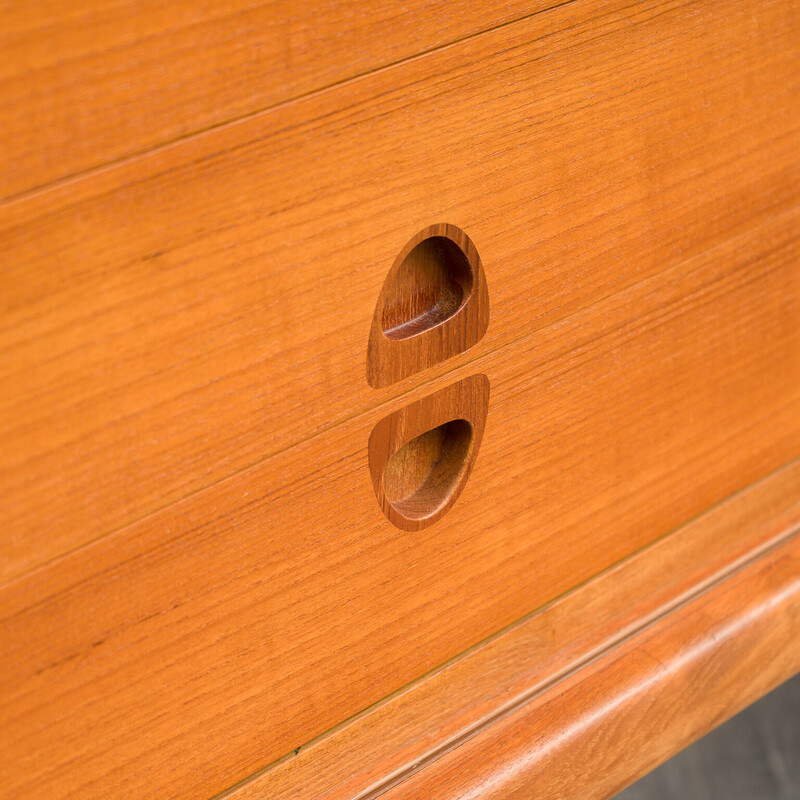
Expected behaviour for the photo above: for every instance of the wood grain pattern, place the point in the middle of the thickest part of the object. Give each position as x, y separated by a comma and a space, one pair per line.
281, 601
85, 83
198, 579
433, 306
392, 739
173, 310
595, 732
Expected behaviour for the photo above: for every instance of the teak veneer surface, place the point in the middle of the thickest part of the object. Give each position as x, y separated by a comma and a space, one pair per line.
414, 727
87, 82
206, 307
198, 576
236, 625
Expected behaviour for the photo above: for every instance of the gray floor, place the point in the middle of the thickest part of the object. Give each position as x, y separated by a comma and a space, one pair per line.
754, 756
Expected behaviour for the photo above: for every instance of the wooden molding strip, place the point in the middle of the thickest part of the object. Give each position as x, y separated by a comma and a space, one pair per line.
607, 725
664, 646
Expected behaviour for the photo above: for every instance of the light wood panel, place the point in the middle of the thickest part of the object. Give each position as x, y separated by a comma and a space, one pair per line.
181, 318
238, 624
393, 739
87, 82
597, 731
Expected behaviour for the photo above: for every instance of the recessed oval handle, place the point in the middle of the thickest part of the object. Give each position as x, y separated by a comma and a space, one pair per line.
423, 474
431, 285
434, 304
421, 456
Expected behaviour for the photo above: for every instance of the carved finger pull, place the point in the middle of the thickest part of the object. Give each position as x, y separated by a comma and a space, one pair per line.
434, 305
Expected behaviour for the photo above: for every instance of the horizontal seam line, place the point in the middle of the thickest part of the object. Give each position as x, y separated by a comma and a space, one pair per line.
719, 577
464, 366
89, 172
613, 645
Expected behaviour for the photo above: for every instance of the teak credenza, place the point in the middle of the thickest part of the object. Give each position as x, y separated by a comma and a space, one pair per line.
399, 400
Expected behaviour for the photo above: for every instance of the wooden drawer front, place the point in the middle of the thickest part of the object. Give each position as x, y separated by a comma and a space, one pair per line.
86, 83
191, 529
207, 307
